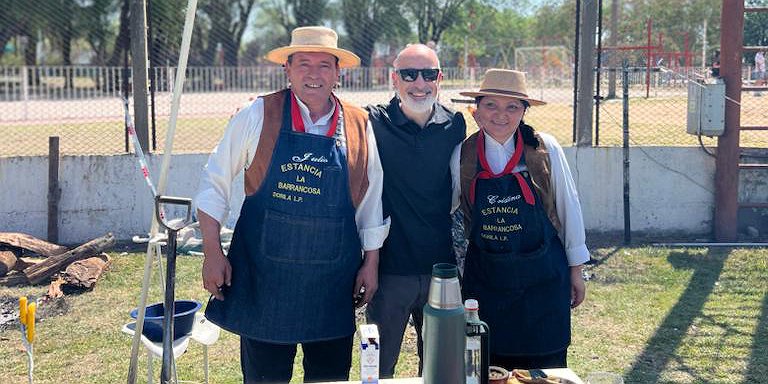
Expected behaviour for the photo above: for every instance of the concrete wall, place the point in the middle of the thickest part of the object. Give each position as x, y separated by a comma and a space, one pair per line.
672, 191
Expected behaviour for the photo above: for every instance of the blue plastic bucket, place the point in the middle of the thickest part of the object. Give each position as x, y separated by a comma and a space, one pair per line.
183, 319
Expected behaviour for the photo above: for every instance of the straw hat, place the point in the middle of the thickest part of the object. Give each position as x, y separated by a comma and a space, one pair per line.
506, 83
314, 39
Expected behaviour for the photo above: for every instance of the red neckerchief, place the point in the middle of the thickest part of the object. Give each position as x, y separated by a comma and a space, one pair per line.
486, 172
298, 122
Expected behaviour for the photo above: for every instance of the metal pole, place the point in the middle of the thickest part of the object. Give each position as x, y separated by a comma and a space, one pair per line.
625, 139
587, 75
169, 307
704, 49
612, 40
139, 64
152, 75
727, 161
599, 69
648, 62
576, 66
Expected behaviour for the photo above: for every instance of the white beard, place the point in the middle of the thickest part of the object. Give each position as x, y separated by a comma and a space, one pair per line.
415, 106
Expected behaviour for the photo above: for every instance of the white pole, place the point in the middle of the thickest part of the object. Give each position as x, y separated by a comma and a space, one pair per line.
177, 90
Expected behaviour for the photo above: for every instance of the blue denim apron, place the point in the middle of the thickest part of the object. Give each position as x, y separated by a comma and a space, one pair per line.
517, 269
295, 251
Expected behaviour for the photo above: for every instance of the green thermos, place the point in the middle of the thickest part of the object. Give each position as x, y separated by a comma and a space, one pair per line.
444, 328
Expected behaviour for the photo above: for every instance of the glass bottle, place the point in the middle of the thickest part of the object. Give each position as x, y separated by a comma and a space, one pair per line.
476, 356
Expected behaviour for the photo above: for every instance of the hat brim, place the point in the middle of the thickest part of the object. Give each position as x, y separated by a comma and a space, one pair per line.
347, 59
530, 100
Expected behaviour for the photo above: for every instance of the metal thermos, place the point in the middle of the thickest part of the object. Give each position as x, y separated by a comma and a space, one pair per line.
444, 328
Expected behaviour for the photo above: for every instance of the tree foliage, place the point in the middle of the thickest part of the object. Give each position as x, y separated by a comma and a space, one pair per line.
228, 31
367, 21
433, 17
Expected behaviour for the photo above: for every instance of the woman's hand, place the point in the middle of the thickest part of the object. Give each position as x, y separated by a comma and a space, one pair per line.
578, 288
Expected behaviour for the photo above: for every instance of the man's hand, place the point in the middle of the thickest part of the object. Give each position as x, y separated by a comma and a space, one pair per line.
367, 281
578, 288
217, 271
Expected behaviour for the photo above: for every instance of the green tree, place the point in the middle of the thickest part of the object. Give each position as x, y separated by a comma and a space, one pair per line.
227, 20
433, 17
94, 20
756, 26
166, 18
487, 31
290, 14
367, 21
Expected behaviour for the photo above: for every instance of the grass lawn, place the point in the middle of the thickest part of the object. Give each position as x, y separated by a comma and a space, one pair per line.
655, 315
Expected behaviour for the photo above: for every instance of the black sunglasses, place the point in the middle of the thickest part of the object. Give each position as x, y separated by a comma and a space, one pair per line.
411, 74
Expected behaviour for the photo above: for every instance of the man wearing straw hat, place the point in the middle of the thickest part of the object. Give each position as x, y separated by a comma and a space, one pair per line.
313, 183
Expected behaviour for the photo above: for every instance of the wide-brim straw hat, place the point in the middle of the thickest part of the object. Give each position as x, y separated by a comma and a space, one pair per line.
505, 83
314, 39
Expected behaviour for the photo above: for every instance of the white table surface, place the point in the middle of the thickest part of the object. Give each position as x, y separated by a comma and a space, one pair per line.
565, 373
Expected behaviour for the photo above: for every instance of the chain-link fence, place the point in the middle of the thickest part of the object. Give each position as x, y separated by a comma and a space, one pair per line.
64, 65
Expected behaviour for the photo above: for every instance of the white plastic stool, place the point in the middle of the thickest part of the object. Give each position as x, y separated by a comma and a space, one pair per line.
203, 332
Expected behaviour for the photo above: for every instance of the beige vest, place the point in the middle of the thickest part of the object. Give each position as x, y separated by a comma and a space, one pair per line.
537, 161
355, 123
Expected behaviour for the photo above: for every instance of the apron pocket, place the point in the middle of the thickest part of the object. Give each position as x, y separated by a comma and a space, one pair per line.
331, 185
301, 239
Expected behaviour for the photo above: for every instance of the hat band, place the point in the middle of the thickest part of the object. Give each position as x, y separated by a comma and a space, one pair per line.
503, 91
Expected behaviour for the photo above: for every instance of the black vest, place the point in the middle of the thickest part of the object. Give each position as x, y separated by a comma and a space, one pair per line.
417, 186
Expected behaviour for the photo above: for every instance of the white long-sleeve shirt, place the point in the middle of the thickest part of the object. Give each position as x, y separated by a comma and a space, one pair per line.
566, 196
235, 152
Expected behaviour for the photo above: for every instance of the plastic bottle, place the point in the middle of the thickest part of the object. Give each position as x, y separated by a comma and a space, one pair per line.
476, 356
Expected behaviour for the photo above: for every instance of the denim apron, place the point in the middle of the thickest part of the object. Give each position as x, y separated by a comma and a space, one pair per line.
516, 265
295, 250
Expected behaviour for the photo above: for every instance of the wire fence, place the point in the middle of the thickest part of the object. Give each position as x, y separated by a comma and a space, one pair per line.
37, 102
65, 64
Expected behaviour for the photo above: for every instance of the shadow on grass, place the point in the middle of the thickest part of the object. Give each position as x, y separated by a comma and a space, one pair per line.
660, 349
757, 368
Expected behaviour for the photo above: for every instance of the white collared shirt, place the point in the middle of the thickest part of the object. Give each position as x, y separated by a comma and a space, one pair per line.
235, 152
572, 232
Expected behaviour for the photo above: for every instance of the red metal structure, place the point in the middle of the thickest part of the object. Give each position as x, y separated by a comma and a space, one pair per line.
728, 149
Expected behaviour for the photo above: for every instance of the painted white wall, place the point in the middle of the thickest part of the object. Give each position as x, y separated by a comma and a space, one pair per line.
671, 191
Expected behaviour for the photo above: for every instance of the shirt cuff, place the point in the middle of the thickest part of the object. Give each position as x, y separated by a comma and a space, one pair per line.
577, 255
372, 239
207, 203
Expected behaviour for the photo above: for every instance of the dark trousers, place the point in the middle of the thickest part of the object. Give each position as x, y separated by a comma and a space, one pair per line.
397, 299
554, 360
273, 363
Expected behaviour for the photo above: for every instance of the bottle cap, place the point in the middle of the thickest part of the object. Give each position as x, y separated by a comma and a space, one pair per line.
445, 270
471, 305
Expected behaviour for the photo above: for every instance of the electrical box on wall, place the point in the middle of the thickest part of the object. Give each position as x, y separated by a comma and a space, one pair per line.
706, 108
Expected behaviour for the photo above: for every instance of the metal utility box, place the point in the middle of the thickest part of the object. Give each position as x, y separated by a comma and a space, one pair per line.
706, 108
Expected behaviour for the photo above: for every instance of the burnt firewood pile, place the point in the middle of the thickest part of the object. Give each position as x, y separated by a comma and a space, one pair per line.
26, 260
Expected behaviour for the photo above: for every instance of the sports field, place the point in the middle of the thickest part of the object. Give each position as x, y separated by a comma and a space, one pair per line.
96, 126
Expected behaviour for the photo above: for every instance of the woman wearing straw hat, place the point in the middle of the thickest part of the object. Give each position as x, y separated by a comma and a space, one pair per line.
524, 225
313, 183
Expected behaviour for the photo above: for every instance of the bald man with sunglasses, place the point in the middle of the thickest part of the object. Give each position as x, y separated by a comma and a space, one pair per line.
416, 136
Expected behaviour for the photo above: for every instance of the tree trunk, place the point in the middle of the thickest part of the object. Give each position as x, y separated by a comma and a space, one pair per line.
30, 243
53, 264
83, 274
14, 279
7, 262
